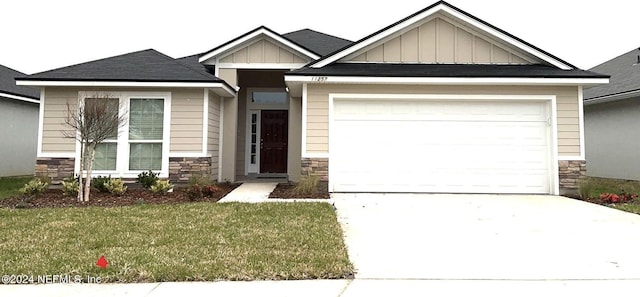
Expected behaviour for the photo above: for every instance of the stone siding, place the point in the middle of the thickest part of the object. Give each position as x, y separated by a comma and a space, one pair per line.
569, 173
181, 168
316, 166
55, 169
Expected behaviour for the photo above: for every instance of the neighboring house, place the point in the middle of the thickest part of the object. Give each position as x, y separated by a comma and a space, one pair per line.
19, 107
440, 101
612, 126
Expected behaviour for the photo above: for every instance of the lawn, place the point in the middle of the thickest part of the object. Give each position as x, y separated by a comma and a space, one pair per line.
182, 242
9, 186
592, 187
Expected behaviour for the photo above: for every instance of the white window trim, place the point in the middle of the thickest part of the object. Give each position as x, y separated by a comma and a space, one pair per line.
122, 158
554, 181
256, 167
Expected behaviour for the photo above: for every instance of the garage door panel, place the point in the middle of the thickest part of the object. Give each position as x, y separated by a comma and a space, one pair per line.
382, 146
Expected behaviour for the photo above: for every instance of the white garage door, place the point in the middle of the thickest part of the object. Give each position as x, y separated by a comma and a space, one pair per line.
440, 146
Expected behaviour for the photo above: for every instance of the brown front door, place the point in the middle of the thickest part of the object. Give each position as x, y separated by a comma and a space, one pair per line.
273, 142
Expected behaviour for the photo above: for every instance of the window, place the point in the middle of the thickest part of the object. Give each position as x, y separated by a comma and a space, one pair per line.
146, 126
106, 152
273, 97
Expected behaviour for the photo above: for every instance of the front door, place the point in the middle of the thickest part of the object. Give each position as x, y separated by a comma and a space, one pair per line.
273, 141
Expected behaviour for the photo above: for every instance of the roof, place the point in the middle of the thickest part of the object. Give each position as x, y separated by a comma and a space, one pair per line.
625, 76
142, 66
8, 84
317, 42
440, 5
443, 70
262, 30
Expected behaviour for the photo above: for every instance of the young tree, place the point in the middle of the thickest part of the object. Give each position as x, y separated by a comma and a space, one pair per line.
93, 120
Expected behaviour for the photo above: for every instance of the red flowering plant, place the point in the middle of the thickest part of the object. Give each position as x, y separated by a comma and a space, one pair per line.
617, 198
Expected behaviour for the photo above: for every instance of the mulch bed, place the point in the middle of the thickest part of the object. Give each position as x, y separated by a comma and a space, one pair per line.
285, 191
55, 198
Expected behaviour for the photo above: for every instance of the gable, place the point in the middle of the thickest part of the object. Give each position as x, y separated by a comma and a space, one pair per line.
263, 51
441, 40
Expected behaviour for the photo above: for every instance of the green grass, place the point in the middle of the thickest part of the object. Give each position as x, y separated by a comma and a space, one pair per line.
184, 242
594, 186
9, 186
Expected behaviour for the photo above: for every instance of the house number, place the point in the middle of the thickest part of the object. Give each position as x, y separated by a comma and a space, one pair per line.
319, 78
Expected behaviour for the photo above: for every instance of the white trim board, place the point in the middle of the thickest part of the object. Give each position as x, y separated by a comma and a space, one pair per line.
554, 185
581, 121
448, 10
255, 34
446, 80
261, 65
21, 98
228, 92
205, 122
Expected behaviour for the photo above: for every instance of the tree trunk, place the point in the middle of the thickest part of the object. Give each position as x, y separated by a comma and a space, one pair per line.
87, 186
80, 184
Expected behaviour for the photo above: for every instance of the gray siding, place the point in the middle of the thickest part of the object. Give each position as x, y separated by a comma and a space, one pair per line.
19, 132
611, 137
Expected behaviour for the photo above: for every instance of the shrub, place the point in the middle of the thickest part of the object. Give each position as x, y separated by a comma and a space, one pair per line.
162, 186
70, 186
98, 183
209, 190
147, 179
199, 180
617, 198
195, 192
34, 187
307, 185
115, 186
585, 187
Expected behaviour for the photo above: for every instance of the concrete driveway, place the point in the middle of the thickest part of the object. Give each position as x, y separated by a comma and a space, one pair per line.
487, 237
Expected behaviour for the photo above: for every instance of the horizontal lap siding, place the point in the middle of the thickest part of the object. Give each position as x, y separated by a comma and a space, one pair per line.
213, 142
186, 121
55, 112
567, 107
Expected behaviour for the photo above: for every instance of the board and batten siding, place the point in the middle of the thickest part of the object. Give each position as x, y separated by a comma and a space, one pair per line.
186, 121
441, 40
53, 123
262, 51
318, 108
213, 131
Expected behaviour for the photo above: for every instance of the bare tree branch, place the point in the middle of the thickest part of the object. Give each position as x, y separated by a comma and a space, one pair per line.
93, 120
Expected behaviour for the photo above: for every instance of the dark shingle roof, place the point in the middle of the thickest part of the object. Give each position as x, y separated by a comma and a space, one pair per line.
625, 75
318, 42
142, 66
8, 84
444, 70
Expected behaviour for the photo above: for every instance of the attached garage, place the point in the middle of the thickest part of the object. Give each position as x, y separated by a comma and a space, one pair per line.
441, 143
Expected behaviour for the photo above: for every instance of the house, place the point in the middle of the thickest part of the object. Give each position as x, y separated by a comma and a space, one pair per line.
439, 101
611, 120
19, 108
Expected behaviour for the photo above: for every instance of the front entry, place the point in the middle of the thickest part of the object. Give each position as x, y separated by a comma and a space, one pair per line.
273, 141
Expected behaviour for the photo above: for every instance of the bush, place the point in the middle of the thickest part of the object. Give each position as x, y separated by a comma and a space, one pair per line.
70, 186
147, 179
584, 188
34, 187
115, 186
617, 198
199, 180
162, 186
194, 192
98, 183
209, 190
307, 185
